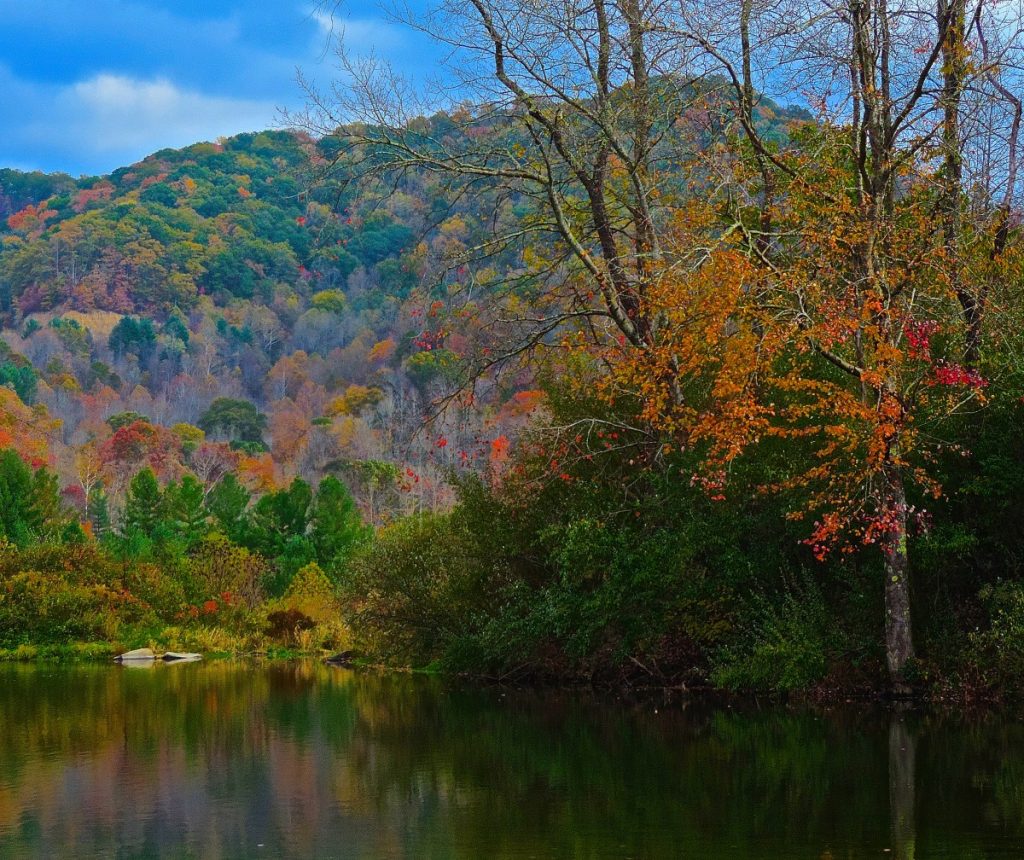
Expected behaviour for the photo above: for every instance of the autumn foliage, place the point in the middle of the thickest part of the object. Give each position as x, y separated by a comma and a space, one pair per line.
798, 348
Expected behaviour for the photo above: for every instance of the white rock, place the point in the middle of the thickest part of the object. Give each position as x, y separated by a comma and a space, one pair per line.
137, 654
181, 657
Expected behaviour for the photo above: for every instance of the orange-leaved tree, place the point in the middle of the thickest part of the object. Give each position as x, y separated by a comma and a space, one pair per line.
29, 430
846, 335
833, 286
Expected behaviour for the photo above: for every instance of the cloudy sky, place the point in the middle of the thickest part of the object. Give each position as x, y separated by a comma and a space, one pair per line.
90, 85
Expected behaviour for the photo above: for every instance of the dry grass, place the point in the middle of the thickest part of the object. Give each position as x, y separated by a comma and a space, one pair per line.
100, 323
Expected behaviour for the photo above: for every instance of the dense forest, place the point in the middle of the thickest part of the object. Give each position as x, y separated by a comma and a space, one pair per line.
207, 357
614, 373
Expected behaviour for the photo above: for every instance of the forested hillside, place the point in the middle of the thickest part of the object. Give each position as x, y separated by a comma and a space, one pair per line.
216, 371
229, 272
630, 385
219, 276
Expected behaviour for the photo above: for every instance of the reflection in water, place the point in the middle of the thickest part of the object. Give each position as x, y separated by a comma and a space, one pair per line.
223, 760
902, 775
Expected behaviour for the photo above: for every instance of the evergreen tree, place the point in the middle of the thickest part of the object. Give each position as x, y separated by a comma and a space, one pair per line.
229, 418
18, 519
72, 533
187, 514
280, 516
177, 327
97, 511
48, 513
144, 507
22, 378
133, 335
279, 529
337, 526
228, 503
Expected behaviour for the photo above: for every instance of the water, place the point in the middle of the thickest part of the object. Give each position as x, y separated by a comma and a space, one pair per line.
223, 760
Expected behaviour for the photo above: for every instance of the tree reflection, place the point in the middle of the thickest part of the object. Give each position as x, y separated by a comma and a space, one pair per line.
213, 760
902, 776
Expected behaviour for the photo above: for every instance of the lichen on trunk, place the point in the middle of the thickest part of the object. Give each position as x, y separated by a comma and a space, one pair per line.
899, 641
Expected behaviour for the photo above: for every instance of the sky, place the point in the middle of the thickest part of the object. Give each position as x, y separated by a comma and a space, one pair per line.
87, 86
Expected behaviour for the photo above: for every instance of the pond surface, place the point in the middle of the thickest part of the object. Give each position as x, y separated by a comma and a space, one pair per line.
226, 760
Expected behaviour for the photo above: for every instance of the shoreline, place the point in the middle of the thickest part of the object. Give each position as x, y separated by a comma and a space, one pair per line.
948, 698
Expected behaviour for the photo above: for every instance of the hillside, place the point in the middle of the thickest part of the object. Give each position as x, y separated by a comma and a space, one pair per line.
210, 272
229, 220
337, 312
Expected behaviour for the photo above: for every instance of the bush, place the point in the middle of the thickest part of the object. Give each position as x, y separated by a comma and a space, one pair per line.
998, 652
52, 593
313, 594
221, 570
40, 607
419, 587
784, 643
285, 624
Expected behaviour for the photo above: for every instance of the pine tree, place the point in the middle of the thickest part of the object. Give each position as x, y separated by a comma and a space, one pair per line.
144, 507
17, 517
278, 519
184, 506
97, 511
47, 515
279, 530
337, 526
72, 533
227, 503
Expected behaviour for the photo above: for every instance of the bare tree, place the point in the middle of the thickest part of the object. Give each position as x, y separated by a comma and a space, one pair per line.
899, 77
579, 108
571, 106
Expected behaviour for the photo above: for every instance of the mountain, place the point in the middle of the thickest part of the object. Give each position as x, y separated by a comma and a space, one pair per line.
220, 273
214, 272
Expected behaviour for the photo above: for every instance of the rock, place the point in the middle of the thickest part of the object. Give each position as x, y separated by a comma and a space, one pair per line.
143, 656
137, 654
342, 658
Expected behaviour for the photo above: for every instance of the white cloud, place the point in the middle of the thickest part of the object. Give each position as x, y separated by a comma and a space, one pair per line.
114, 113
361, 34
124, 78
326, 20
108, 120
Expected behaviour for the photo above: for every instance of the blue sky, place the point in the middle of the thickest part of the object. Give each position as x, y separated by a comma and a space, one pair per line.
90, 85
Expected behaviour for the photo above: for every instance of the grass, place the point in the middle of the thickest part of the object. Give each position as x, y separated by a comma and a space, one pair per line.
72, 652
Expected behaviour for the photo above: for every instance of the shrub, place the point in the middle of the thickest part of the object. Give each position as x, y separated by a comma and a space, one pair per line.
420, 586
284, 625
783, 643
42, 607
312, 594
998, 652
220, 568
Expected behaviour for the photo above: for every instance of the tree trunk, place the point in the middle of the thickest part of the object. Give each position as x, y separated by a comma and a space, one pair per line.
899, 642
902, 784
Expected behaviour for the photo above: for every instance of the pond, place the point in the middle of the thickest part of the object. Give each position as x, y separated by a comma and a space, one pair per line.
231, 760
